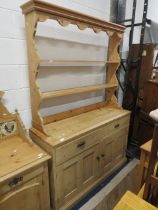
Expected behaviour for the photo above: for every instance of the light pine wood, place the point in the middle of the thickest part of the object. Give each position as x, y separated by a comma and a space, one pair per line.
16, 153
76, 147
20, 199
84, 123
27, 193
3, 109
76, 62
38, 11
75, 138
141, 192
113, 148
83, 145
144, 162
62, 14
71, 113
23, 168
131, 201
72, 91
74, 175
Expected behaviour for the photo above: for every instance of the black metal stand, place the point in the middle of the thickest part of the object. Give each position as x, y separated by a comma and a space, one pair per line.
126, 65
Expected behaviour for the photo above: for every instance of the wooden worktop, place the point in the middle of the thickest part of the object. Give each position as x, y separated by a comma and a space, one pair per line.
64, 130
16, 155
131, 201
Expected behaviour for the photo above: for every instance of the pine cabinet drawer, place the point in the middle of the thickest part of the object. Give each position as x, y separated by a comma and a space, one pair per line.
20, 179
114, 126
67, 151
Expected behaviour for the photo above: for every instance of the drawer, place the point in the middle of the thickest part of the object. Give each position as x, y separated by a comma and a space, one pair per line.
114, 126
20, 179
67, 151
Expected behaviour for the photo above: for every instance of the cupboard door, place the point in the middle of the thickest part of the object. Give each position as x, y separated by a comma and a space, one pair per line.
90, 162
67, 180
25, 198
106, 154
75, 174
119, 145
113, 149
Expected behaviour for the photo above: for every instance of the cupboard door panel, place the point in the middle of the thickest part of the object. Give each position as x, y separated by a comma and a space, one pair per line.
76, 174
26, 198
113, 149
67, 180
106, 154
119, 145
90, 165
70, 175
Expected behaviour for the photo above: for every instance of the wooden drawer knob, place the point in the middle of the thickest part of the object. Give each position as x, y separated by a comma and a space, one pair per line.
81, 144
98, 158
15, 181
117, 125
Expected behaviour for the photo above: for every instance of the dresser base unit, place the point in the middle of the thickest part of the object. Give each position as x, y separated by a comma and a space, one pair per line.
85, 149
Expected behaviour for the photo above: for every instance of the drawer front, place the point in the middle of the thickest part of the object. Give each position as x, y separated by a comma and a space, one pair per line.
67, 151
77, 146
114, 126
20, 179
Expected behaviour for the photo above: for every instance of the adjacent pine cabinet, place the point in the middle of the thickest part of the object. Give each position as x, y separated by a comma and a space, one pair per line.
27, 190
24, 183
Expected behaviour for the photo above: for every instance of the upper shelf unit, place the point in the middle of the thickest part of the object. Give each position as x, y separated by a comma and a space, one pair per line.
39, 11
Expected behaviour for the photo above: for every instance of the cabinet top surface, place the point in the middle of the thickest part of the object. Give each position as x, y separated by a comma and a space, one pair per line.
17, 154
64, 130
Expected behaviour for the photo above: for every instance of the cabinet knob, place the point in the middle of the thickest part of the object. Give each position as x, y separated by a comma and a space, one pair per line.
117, 125
98, 158
81, 144
102, 155
15, 181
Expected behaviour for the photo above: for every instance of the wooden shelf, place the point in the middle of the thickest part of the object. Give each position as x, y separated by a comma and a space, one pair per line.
47, 63
71, 91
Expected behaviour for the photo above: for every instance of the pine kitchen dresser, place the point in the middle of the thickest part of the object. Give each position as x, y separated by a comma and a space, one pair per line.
23, 167
87, 143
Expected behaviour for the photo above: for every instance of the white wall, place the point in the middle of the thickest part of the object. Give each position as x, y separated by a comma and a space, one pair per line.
152, 14
152, 11
13, 52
